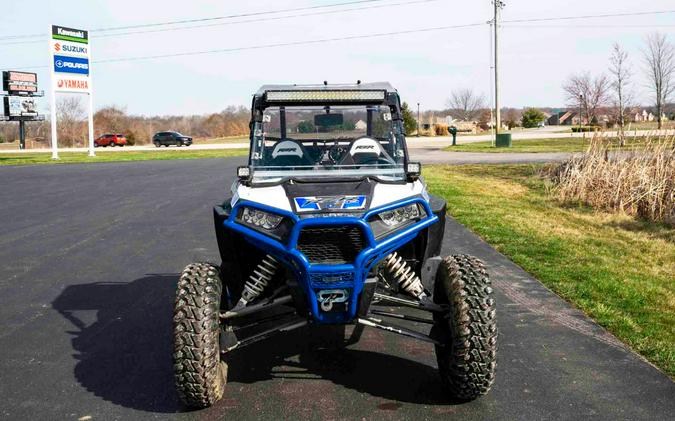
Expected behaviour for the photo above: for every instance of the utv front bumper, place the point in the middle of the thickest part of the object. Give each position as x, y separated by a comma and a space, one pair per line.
318, 279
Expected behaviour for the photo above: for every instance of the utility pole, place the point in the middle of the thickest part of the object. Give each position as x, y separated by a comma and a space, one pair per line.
498, 4
418, 119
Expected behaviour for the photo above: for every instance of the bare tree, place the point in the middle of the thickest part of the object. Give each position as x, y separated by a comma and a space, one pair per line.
659, 57
590, 92
466, 103
70, 118
621, 75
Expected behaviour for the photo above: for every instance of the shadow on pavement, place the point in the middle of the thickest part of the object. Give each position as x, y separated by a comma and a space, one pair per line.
122, 342
302, 355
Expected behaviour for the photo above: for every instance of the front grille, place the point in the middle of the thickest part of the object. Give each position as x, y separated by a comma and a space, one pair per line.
331, 244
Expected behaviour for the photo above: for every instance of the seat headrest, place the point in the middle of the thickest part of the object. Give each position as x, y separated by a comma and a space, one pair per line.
287, 148
365, 146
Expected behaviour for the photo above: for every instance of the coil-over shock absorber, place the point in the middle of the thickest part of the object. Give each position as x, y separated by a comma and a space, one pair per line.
258, 280
399, 271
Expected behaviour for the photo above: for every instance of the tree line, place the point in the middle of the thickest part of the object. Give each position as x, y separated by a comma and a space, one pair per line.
72, 124
614, 90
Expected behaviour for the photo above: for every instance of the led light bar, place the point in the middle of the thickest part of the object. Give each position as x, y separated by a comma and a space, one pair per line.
325, 96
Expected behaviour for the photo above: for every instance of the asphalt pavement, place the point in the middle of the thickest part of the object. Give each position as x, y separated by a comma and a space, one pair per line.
91, 254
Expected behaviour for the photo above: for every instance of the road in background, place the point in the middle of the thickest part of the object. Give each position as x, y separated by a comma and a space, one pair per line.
437, 142
91, 255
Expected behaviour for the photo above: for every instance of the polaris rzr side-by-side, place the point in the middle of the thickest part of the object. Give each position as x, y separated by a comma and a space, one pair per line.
331, 224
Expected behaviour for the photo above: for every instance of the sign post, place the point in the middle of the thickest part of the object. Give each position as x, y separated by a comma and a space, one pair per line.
70, 54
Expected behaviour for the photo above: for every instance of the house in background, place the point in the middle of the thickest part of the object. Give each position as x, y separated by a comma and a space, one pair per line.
562, 118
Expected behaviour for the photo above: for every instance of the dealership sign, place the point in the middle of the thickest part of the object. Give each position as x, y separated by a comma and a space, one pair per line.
70, 55
21, 106
70, 64
19, 82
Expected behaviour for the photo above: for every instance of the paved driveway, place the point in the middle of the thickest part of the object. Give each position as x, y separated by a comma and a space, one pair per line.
90, 256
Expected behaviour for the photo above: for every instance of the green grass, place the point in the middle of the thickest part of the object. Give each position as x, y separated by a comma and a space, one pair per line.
220, 140
567, 144
31, 158
618, 270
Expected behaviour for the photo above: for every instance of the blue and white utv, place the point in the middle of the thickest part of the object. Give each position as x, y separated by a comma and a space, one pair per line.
330, 223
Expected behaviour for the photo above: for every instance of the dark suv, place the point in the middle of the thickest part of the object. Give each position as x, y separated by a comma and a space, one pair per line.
171, 138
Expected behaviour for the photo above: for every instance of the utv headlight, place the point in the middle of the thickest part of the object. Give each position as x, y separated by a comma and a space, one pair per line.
400, 215
259, 218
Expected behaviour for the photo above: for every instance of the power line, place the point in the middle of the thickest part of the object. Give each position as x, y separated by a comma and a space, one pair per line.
269, 19
608, 15
233, 23
590, 26
275, 45
345, 38
232, 16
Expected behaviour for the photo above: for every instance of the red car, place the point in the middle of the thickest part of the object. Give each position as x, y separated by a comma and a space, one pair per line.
110, 140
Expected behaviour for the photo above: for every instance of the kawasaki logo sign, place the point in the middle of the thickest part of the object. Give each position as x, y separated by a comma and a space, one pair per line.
70, 34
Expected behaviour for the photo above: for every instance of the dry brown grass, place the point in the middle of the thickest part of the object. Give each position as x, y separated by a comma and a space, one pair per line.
636, 181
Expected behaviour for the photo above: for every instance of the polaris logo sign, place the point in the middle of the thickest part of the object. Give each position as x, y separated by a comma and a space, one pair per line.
77, 65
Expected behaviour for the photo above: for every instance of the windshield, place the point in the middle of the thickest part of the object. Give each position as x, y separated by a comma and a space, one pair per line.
327, 142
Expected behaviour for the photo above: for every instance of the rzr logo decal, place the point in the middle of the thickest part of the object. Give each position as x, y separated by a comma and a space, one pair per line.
305, 204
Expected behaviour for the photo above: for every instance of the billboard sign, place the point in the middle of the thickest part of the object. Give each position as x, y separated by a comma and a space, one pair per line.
19, 82
21, 106
65, 64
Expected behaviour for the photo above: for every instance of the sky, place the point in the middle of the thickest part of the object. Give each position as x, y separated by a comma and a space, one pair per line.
535, 58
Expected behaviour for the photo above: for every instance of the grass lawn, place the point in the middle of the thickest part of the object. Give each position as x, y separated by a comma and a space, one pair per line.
567, 144
618, 270
220, 140
108, 156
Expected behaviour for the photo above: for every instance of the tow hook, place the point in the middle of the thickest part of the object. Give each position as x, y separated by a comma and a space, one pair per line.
327, 297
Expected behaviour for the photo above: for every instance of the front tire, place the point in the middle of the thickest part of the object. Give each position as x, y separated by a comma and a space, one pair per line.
200, 374
469, 331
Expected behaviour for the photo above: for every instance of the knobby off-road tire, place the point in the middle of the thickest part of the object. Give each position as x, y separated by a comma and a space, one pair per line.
200, 374
467, 362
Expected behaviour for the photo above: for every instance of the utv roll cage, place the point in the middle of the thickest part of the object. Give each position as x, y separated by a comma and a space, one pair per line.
373, 94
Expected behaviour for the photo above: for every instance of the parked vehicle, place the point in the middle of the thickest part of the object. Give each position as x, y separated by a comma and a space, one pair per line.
171, 138
109, 139
331, 224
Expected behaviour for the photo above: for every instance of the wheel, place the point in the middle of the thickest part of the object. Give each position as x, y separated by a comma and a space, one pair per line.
469, 331
157, 145
200, 374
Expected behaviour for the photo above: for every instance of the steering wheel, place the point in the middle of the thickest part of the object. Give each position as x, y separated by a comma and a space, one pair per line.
336, 153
